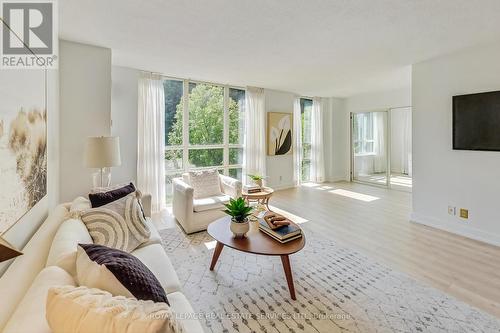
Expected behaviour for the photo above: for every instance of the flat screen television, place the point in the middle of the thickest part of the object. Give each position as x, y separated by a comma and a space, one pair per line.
476, 121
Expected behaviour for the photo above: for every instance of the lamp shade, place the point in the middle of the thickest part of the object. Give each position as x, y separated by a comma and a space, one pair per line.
7, 251
102, 152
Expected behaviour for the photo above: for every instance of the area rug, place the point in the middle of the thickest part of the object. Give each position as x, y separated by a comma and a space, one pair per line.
338, 290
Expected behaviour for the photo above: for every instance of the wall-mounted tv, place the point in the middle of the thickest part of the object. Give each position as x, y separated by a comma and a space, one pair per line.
476, 121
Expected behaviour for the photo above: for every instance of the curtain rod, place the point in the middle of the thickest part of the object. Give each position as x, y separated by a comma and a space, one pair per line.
192, 80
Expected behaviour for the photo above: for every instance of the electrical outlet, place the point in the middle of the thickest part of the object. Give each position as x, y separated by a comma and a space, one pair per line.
451, 210
464, 213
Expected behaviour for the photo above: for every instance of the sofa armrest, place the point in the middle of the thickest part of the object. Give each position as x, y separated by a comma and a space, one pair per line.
182, 204
231, 186
146, 204
182, 188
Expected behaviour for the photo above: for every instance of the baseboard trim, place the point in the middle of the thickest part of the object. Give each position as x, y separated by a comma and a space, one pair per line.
456, 228
282, 187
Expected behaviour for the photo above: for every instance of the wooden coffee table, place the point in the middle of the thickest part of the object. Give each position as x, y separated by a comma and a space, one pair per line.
261, 197
255, 242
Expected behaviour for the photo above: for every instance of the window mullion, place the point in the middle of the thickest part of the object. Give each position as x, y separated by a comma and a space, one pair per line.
226, 131
185, 125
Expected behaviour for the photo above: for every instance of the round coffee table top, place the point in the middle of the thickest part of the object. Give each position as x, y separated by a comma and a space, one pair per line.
255, 242
263, 193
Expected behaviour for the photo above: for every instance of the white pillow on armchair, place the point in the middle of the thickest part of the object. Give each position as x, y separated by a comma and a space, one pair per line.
205, 183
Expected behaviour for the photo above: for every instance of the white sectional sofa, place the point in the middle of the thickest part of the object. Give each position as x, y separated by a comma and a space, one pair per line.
24, 286
196, 214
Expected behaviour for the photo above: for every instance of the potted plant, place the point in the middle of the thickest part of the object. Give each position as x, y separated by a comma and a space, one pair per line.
257, 179
239, 212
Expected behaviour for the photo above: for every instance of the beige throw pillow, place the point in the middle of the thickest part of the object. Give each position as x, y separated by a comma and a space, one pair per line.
84, 310
205, 183
120, 224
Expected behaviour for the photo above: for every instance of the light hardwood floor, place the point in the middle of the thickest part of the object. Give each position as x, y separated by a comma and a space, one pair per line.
466, 269
375, 221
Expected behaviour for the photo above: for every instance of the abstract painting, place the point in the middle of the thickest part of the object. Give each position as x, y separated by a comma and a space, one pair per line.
279, 133
23, 143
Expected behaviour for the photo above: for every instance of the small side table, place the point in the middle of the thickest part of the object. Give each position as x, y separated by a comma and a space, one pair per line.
262, 197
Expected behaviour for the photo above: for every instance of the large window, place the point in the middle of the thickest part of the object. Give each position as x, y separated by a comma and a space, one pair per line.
204, 127
363, 133
305, 163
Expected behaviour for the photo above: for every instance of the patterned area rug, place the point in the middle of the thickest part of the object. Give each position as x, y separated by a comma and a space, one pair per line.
338, 290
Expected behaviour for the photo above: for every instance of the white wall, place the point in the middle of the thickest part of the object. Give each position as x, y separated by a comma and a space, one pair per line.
334, 132
279, 168
379, 100
85, 108
124, 121
442, 176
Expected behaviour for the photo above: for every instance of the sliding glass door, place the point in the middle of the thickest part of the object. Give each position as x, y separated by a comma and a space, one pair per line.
369, 147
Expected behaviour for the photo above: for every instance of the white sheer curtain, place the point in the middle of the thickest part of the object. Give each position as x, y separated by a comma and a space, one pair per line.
151, 139
406, 158
297, 151
254, 161
379, 137
317, 173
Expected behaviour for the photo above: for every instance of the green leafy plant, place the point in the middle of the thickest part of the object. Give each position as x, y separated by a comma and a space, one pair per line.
256, 177
238, 210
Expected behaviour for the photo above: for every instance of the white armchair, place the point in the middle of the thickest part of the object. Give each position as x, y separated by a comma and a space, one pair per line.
196, 214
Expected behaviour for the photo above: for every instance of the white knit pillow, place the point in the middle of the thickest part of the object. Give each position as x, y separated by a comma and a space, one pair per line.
81, 309
120, 224
206, 183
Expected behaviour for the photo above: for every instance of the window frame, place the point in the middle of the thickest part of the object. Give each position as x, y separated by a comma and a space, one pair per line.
187, 146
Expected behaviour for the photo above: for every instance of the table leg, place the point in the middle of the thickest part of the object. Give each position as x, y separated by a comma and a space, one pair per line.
288, 274
267, 204
217, 251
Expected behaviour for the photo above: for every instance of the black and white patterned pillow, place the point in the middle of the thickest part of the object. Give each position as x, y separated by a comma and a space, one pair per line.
120, 224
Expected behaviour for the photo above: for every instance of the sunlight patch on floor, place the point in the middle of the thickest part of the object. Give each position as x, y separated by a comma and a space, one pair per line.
354, 195
310, 184
210, 245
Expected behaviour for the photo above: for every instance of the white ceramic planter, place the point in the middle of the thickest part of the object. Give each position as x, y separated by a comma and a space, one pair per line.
239, 229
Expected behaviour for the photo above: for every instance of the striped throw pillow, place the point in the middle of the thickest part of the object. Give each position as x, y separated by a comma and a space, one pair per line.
120, 224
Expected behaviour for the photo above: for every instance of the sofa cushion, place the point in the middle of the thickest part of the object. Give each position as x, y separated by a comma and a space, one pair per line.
117, 272
30, 313
183, 310
119, 224
63, 249
214, 202
82, 309
155, 258
205, 183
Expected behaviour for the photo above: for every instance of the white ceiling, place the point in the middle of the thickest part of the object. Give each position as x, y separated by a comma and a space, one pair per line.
311, 47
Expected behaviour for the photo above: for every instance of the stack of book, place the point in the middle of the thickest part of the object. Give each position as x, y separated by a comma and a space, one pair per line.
251, 188
283, 233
